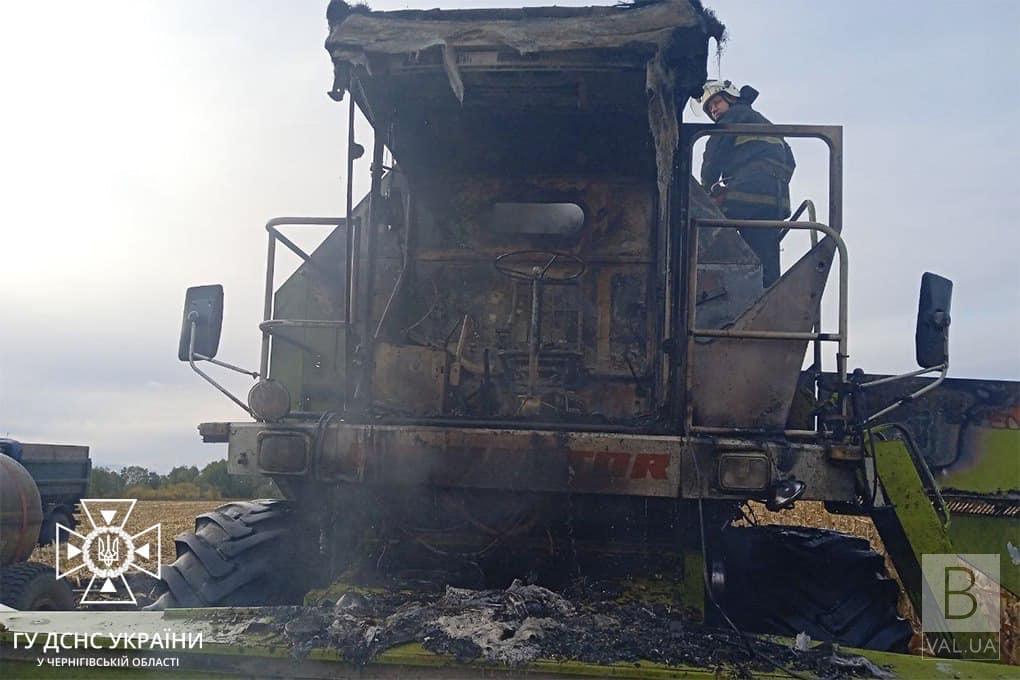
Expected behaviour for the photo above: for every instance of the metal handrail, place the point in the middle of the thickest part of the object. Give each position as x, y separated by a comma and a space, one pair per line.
832, 136
808, 205
816, 346
271, 326
816, 336
763, 335
841, 334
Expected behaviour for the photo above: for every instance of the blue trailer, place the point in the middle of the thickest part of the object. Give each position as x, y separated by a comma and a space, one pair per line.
62, 474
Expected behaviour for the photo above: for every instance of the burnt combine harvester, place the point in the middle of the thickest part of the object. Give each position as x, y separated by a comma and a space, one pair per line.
537, 350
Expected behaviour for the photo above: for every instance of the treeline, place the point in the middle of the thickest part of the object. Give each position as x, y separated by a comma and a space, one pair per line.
182, 483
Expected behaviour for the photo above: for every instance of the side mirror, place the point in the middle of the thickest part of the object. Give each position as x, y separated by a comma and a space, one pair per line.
203, 307
932, 337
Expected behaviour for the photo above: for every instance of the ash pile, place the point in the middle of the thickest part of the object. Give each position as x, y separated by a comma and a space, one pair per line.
589, 622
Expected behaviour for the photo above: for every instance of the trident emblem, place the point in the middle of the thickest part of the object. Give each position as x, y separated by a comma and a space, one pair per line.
108, 549
99, 551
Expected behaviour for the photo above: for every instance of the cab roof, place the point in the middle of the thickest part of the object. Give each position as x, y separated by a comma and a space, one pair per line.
644, 26
475, 89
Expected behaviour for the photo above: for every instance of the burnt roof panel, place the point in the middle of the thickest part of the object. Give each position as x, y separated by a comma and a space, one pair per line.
525, 31
499, 88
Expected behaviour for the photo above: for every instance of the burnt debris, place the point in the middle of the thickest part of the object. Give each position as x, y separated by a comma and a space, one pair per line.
590, 622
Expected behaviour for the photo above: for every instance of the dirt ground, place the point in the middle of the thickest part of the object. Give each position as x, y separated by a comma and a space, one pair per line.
179, 516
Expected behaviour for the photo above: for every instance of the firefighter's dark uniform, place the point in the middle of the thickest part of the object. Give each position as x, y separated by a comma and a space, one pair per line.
757, 170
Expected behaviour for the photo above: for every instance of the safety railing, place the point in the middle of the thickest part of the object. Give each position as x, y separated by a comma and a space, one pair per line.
832, 136
816, 364
693, 333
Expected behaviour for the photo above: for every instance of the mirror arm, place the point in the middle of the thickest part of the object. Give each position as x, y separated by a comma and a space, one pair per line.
191, 361
894, 378
224, 364
944, 368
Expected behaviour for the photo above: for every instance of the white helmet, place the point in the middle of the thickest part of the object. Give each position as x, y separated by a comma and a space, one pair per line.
714, 87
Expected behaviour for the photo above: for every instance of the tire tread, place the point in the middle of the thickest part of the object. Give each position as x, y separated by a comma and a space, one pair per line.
828, 584
237, 556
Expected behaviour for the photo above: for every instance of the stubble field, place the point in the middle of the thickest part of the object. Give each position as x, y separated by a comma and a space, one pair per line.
175, 517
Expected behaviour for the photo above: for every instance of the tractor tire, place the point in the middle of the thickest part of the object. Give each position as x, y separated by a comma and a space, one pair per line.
48, 531
244, 553
31, 586
830, 585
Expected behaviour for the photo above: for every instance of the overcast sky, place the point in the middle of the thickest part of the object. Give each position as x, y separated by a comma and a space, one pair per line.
146, 143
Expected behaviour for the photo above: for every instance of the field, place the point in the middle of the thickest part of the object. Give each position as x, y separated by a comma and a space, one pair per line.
175, 516
179, 516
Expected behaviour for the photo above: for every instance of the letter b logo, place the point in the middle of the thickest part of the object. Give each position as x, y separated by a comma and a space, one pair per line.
955, 578
961, 593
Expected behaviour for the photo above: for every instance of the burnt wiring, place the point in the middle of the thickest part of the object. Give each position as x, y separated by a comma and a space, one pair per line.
434, 550
397, 285
865, 431
457, 326
321, 427
521, 523
524, 521
431, 309
874, 464
747, 513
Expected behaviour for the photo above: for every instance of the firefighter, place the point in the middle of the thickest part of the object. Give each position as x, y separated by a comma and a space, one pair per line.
748, 176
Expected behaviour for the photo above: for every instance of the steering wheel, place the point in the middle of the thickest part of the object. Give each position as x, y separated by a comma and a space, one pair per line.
532, 265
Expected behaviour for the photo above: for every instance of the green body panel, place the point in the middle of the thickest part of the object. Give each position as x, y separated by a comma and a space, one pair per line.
916, 521
967, 430
902, 485
915, 529
694, 582
978, 534
992, 468
310, 361
287, 360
